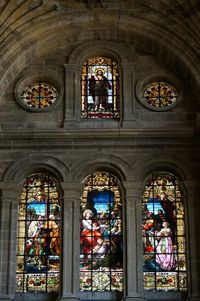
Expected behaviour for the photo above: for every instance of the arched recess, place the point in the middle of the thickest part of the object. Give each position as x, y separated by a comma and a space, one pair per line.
164, 226
101, 236
18, 170
111, 163
39, 235
36, 203
98, 71
164, 235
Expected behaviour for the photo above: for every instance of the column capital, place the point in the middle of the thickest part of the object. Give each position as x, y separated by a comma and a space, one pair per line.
71, 189
10, 190
133, 189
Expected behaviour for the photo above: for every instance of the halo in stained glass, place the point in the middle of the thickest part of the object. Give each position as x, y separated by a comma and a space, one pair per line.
38, 236
164, 253
39, 96
160, 95
100, 88
101, 249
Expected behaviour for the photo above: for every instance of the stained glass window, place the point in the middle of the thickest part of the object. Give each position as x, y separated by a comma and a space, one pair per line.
100, 92
38, 236
39, 96
164, 234
101, 254
160, 95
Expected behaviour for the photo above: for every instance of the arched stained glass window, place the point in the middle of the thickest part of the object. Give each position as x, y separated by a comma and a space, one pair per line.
101, 255
164, 234
38, 236
100, 91
160, 95
39, 96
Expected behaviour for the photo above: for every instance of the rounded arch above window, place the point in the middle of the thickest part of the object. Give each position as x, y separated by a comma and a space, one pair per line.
100, 88
158, 94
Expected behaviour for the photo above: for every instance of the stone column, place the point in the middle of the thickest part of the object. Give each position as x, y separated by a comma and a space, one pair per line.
8, 237
72, 95
71, 242
192, 239
128, 99
134, 260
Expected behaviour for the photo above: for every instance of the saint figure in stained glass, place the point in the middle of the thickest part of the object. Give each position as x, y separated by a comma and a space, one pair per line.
38, 242
100, 88
101, 255
163, 234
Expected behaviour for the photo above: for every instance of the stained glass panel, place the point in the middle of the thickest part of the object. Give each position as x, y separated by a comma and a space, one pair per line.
101, 254
100, 90
164, 255
39, 96
38, 243
160, 95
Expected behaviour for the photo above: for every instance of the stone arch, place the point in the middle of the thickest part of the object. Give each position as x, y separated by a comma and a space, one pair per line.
18, 170
113, 164
169, 163
87, 49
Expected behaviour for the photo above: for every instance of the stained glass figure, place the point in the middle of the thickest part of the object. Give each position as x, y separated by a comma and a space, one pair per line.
101, 254
38, 236
160, 95
100, 92
164, 234
39, 96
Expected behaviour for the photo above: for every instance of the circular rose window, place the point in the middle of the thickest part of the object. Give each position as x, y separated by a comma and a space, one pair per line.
159, 95
39, 96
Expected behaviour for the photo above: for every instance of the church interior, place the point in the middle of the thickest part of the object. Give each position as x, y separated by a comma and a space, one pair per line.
99, 150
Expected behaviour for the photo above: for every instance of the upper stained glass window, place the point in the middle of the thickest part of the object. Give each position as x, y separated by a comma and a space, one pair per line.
164, 234
38, 236
100, 92
39, 96
160, 95
101, 255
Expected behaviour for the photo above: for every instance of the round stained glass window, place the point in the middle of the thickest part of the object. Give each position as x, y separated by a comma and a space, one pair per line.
39, 96
160, 95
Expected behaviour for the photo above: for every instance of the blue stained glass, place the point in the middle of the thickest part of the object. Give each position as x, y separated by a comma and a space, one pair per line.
101, 249
38, 246
103, 202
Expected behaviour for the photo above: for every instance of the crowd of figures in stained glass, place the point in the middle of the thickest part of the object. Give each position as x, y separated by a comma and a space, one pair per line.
38, 236
101, 254
160, 95
39, 96
164, 234
100, 91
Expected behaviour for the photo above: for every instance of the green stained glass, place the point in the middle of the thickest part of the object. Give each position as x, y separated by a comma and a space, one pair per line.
38, 230
101, 252
164, 255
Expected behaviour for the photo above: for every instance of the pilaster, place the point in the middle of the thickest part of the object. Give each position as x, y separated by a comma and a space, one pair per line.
128, 99
134, 272
71, 242
8, 234
72, 95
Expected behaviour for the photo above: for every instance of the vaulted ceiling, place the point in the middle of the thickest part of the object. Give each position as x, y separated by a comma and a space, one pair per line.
34, 28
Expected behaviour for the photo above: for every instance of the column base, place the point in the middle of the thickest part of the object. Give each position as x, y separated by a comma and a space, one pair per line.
5, 298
